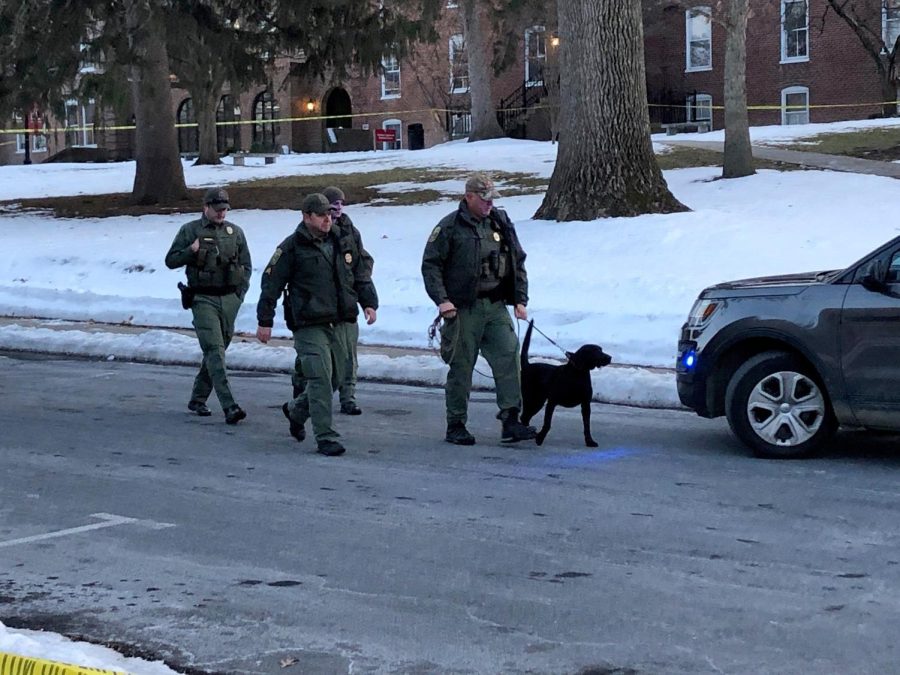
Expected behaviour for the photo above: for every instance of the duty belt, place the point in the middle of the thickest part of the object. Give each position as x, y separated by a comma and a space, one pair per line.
214, 290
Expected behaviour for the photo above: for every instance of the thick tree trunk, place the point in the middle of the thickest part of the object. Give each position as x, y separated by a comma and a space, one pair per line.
159, 177
205, 103
606, 166
738, 159
481, 73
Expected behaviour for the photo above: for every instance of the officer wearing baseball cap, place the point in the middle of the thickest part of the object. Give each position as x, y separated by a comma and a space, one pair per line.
321, 297
347, 386
216, 259
473, 267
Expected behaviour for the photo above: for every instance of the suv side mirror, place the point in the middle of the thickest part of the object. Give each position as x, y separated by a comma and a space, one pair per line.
873, 277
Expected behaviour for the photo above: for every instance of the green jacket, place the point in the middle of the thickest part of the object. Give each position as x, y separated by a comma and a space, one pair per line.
222, 262
322, 288
451, 263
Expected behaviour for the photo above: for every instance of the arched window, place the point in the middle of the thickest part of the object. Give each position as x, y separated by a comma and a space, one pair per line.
188, 139
795, 105
265, 133
228, 136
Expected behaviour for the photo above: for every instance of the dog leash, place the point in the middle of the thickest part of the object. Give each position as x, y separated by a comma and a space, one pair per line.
551, 341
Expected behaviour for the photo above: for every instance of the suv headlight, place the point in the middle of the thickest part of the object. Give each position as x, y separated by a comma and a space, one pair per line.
702, 312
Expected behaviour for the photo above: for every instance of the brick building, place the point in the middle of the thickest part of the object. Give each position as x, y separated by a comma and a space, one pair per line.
804, 63
423, 98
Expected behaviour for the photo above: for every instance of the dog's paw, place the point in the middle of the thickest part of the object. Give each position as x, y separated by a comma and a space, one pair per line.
539, 439
591, 443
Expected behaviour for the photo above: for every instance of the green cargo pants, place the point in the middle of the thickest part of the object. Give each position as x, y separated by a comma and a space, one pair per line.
214, 324
484, 327
347, 386
321, 351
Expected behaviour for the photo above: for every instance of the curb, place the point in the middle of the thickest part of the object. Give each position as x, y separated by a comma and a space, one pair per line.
13, 664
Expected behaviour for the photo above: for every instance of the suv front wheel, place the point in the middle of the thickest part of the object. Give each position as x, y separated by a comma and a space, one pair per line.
776, 406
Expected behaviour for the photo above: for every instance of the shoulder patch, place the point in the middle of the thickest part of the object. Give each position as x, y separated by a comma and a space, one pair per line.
275, 257
434, 234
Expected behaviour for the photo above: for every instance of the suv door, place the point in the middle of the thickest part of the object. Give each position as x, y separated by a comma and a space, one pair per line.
870, 347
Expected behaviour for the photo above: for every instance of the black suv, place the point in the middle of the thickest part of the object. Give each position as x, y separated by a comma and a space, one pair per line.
787, 359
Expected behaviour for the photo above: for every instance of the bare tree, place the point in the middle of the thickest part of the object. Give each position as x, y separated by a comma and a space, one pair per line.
864, 17
738, 159
605, 166
479, 48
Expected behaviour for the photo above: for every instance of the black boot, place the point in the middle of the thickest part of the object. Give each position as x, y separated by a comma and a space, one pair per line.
458, 434
513, 430
297, 430
234, 414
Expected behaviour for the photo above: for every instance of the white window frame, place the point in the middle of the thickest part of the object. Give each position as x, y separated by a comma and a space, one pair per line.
890, 17
787, 91
87, 134
389, 66
697, 103
784, 38
539, 56
689, 38
457, 77
398, 126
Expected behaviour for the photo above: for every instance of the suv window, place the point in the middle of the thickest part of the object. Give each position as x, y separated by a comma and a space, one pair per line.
893, 274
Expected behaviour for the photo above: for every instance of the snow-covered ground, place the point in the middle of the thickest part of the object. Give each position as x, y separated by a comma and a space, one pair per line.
626, 284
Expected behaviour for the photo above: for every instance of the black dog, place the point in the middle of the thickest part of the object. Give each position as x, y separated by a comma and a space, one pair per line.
567, 385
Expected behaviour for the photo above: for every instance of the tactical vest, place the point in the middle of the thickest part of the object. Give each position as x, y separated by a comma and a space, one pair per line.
217, 266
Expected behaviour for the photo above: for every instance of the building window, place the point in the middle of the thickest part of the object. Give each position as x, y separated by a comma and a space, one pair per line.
459, 123
188, 136
890, 23
535, 56
397, 126
265, 129
38, 139
79, 123
228, 136
698, 30
459, 65
452, 4
390, 77
794, 30
795, 105
699, 108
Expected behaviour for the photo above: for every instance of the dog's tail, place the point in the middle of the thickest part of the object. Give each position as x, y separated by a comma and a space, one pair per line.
523, 357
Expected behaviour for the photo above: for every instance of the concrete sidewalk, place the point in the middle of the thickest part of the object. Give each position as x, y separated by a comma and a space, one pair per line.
816, 160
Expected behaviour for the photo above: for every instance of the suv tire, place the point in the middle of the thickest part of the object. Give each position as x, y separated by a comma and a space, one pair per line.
778, 407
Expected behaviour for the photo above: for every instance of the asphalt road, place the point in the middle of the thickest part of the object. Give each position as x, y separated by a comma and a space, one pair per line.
668, 549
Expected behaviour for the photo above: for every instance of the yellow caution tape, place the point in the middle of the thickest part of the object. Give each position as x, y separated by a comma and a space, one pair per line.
393, 113
11, 664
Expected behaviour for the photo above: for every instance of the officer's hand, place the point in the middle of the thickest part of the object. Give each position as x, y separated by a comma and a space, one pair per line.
370, 315
196, 245
263, 334
521, 312
447, 310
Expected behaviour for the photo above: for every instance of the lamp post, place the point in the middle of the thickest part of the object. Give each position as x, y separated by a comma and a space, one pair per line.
27, 122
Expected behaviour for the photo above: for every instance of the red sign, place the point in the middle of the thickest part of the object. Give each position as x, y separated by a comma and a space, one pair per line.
385, 135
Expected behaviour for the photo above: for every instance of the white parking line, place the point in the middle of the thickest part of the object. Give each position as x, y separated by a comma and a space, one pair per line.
109, 520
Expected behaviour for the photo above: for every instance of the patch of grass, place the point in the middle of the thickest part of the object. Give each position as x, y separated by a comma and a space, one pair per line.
682, 157
283, 192
880, 144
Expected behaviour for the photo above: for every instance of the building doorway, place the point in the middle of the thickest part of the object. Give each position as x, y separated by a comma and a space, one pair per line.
338, 109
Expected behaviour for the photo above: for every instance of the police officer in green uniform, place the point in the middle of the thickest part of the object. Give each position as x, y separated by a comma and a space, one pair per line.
217, 263
347, 386
323, 273
473, 266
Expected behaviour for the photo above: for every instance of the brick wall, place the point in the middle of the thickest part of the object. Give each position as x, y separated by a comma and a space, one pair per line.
838, 72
